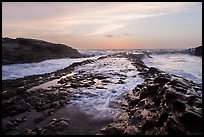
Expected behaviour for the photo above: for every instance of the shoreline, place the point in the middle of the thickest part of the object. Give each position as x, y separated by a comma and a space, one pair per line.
162, 105
155, 80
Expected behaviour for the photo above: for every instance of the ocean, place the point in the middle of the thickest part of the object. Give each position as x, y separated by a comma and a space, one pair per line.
171, 61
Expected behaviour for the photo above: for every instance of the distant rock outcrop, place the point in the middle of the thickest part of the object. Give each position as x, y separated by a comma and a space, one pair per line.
23, 50
198, 51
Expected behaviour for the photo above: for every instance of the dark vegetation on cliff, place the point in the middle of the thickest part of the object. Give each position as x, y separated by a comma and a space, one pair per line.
24, 50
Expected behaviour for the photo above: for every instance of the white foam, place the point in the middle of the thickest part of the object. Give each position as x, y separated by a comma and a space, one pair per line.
94, 100
15, 71
98, 52
187, 66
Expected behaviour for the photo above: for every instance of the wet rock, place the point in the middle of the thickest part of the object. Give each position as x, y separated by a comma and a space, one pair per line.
56, 104
153, 70
100, 87
148, 125
142, 73
179, 106
20, 90
139, 63
13, 110
189, 118
161, 80
135, 118
80, 84
12, 124
133, 101
53, 120
181, 85
164, 105
39, 119
174, 128
136, 90
149, 104
74, 85
153, 88
131, 130
123, 104
105, 81
51, 128
56, 125
17, 121
144, 93
140, 85
39, 131
148, 79
181, 89
100, 77
35, 131
172, 95
179, 82
120, 75
28, 132
115, 129
162, 119
190, 99
63, 93
85, 85
51, 96
120, 82
49, 112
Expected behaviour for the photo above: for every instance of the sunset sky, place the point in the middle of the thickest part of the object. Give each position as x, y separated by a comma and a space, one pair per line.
99, 25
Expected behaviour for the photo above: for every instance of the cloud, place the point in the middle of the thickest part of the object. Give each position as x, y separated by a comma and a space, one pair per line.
69, 15
106, 28
81, 18
111, 36
126, 34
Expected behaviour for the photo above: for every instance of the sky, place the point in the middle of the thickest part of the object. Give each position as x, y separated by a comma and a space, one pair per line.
106, 25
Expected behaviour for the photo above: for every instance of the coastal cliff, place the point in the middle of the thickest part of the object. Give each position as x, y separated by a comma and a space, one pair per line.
24, 50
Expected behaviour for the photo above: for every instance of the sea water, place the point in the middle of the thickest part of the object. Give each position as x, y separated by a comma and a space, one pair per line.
170, 61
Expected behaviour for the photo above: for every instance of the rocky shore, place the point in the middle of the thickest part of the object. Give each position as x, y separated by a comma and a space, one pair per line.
163, 104
24, 103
